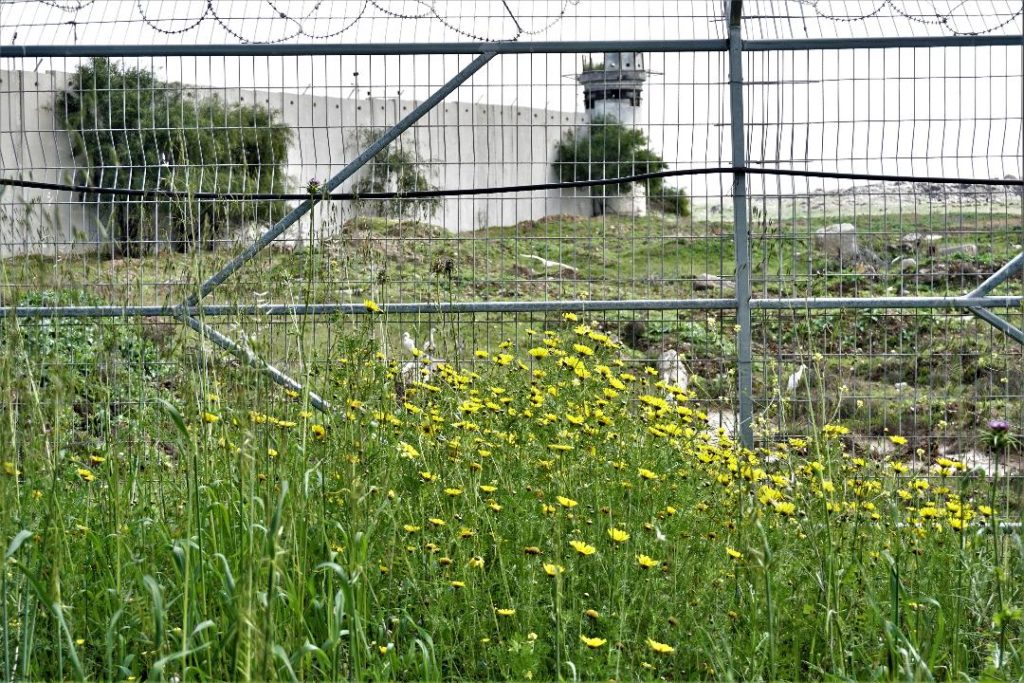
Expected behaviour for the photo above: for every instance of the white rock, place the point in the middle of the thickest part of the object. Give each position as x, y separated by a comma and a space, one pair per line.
838, 239
907, 265
794, 380
721, 419
917, 239
706, 281
672, 371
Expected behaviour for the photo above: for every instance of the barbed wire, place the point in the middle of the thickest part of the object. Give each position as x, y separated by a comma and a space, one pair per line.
936, 17
280, 21
303, 24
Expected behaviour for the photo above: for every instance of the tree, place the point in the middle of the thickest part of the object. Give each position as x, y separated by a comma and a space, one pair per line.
396, 169
608, 149
137, 132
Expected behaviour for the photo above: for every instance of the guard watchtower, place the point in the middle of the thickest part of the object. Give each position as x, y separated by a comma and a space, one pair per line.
614, 88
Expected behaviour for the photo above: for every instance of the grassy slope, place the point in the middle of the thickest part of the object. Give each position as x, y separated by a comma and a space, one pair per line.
959, 369
187, 545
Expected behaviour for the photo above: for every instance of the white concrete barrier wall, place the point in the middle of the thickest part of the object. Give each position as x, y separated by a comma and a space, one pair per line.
462, 145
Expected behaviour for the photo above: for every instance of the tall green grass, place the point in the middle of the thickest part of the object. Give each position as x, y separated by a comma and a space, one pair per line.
213, 527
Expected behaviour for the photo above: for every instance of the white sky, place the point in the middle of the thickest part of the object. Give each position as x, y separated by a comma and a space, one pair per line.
940, 111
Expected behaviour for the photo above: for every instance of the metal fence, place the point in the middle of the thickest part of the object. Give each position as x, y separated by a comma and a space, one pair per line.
851, 251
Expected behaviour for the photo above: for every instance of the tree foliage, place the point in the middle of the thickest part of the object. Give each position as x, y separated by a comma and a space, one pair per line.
135, 131
608, 149
397, 169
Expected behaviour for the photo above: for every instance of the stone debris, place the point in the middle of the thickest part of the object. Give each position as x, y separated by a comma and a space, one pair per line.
897, 196
969, 250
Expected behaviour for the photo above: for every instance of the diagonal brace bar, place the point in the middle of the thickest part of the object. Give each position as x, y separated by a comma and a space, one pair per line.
344, 174
1000, 276
252, 360
997, 278
293, 216
1004, 326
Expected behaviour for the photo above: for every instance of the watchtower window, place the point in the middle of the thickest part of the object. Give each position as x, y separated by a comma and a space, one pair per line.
631, 94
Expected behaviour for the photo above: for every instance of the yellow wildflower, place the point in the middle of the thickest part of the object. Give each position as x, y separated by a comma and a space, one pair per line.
660, 648
646, 561
618, 535
583, 548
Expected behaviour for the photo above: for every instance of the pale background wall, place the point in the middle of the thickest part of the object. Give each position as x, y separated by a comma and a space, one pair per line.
461, 144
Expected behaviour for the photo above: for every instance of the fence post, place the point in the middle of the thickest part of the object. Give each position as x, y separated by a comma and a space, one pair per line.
744, 364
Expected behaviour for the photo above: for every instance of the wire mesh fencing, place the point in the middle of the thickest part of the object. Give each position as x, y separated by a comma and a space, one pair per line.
804, 212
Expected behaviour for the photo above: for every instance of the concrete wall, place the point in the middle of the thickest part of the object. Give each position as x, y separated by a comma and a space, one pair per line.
462, 145
33, 147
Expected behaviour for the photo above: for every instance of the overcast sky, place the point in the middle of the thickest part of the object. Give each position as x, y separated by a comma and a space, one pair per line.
952, 112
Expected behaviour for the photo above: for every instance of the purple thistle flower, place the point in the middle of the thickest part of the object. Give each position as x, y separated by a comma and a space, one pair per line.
999, 425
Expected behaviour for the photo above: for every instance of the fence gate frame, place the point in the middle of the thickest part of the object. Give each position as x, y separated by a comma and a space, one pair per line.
192, 312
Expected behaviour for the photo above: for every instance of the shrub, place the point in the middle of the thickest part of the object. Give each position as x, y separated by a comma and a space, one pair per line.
92, 367
671, 200
608, 149
135, 131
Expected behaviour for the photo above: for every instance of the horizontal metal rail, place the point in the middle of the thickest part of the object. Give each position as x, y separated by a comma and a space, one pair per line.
538, 47
567, 305
360, 49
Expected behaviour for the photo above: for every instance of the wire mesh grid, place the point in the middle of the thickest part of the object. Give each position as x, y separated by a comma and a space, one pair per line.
193, 139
